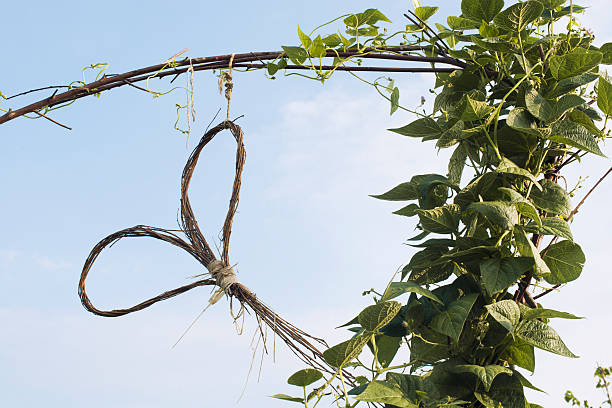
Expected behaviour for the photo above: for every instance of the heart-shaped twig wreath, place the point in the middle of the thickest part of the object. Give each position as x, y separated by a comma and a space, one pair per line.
222, 274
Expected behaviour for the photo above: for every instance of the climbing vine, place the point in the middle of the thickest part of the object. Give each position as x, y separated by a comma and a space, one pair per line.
495, 231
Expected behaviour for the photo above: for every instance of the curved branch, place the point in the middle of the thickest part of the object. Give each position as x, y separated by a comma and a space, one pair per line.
245, 60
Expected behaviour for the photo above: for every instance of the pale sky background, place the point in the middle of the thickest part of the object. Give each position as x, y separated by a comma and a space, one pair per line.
308, 239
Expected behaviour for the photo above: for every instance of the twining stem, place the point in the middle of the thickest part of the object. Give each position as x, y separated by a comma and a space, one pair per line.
501, 104
569, 218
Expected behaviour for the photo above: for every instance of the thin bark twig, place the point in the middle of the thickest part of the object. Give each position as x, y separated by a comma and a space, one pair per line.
52, 120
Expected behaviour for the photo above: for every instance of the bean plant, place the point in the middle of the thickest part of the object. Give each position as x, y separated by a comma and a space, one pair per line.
494, 232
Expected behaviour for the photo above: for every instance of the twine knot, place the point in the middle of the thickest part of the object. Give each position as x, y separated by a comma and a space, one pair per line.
226, 78
223, 275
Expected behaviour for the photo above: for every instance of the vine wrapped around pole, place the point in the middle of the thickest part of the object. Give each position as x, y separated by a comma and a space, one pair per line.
250, 60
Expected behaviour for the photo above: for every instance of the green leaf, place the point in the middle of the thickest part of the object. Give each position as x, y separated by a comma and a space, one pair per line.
520, 119
407, 211
606, 49
425, 258
450, 321
506, 392
360, 388
518, 16
286, 397
591, 112
579, 117
479, 10
447, 100
305, 377
538, 106
272, 68
566, 85
394, 100
575, 63
553, 198
451, 136
332, 41
297, 55
460, 23
432, 189
304, 39
508, 167
430, 274
485, 374
568, 132
317, 49
513, 195
497, 44
527, 248
441, 220
403, 192
500, 273
414, 387
521, 354
523, 206
456, 164
350, 323
552, 4
387, 393
376, 316
565, 260
370, 17
604, 96
541, 335
566, 11
473, 253
553, 226
451, 384
425, 351
387, 348
525, 382
346, 351
565, 103
488, 31
540, 313
505, 312
424, 127
425, 12
474, 110
528, 210
396, 289
500, 213
442, 243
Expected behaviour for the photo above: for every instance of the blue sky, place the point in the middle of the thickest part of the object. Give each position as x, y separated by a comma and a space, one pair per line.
307, 239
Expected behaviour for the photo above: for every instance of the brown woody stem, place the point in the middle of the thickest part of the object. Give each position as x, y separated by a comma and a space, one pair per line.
240, 60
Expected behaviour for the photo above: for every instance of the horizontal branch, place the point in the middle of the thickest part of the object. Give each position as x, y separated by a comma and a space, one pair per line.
245, 60
354, 69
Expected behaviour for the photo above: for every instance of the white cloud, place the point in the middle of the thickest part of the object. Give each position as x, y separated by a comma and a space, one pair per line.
336, 145
8, 255
51, 264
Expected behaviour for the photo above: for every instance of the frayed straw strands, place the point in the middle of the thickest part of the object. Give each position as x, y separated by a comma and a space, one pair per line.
298, 341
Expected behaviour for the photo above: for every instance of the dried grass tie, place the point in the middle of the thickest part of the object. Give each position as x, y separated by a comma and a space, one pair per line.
298, 341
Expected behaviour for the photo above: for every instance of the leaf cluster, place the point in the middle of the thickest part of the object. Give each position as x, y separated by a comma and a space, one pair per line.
528, 103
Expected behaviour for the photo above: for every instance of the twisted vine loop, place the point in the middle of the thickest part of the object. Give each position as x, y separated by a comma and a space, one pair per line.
298, 341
